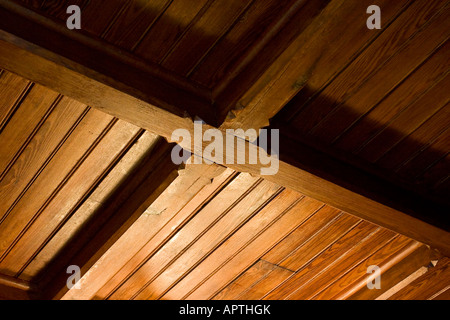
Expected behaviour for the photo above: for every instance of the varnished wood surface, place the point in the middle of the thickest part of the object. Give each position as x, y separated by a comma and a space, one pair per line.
144, 114
188, 38
388, 108
62, 164
212, 233
78, 186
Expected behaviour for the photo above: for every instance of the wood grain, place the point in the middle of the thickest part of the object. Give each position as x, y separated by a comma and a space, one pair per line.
202, 34
209, 241
12, 89
255, 249
419, 139
233, 245
424, 287
266, 284
322, 219
341, 266
310, 106
308, 61
358, 277
70, 196
174, 209
195, 228
39, 151
236, 46
248, 278
131, 23
80, 141
131, 199
393, 72
396, 273
425, 159
319, 242
406, 99
23, 124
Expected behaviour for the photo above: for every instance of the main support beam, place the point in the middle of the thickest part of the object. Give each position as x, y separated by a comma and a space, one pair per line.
53, 68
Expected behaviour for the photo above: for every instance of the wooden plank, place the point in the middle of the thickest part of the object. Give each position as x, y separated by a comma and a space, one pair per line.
12, 89
98, 24
257, 247
91, 21
302, 234
87, 132
37, 104
395, 274
358, 277
142, 114
266, 284
405, 124
426, 286
341, 266
33, 269
434, 175
417, 165
135, 18
16, 289
234, 85
70, 196
405, 282
359, 234
76, 56
203, 34
417, 50
241, 43
418, 140
445, 295
144, 185
251, 276
322, 240
340, 172
55, 175
224, 253
209, 241
308, 60
145, 145
405, 99
39, 151
186, 236
176, 206
310, 106
169, 28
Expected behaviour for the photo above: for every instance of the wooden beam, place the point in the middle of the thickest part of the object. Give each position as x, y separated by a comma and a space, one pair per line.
363, 180
96, 89
146, 182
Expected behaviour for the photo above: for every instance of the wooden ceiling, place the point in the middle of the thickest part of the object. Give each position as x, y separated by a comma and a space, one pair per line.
86, 176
